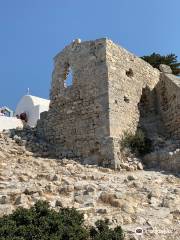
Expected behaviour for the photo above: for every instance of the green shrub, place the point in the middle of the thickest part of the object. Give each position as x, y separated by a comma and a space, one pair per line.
41, 223
138, 143
101, 231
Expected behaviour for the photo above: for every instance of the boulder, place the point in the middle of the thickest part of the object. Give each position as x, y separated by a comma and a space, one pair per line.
165, 68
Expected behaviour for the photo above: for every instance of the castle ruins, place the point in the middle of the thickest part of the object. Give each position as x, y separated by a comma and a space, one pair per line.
112, 91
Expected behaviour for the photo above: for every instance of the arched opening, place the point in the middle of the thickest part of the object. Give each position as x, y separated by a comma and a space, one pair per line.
68, 78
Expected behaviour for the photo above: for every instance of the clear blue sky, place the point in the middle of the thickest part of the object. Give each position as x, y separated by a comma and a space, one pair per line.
32, 32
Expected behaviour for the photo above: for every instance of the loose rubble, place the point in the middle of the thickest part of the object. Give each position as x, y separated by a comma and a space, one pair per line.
133, 199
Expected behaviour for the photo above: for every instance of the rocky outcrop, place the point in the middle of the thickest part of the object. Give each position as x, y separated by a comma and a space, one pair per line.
137, 199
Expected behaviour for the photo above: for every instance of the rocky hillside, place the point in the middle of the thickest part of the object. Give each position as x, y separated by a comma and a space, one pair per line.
132, 199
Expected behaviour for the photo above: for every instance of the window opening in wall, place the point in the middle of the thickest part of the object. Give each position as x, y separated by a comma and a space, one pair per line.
68, 77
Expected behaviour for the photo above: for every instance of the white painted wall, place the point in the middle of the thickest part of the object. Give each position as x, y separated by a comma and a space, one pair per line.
9, 123
33, 106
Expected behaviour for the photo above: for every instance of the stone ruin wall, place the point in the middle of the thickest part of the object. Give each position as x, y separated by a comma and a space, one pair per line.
77, 123
128, 76
168, 90
168, 157
89, 118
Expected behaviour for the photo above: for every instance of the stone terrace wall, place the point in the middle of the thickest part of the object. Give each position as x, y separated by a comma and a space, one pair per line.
77, 122
128, 75
168, 90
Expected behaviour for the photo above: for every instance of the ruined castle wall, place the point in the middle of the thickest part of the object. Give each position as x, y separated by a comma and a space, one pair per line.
168, 90
88, 118
128, 75
77, 122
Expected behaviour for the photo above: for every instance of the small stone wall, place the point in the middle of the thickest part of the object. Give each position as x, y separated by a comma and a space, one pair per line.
166, 160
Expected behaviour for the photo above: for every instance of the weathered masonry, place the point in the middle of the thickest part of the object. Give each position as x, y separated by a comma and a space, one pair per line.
88, 118
112, 91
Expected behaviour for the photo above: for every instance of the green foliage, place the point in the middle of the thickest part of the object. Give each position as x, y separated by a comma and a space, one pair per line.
171, 60
138, 143
102, 232
41, 223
